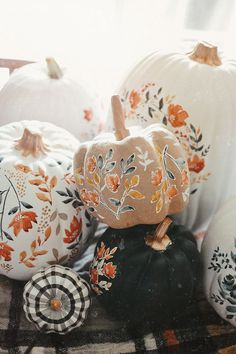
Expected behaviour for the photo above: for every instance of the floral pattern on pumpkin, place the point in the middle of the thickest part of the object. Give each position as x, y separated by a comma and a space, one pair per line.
23, 218
222, 261
149, 101
101, 177
162, 179
102, 269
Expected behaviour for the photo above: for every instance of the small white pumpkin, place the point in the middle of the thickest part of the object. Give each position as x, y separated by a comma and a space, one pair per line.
56, 300
40, 218
194, 95
219, 262
47, 93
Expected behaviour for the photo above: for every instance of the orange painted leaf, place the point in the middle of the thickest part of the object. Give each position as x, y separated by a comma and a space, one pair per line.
135, 194
23, 255
39, 240
33, 245
43, 197
43, 189
96, 178
164, 186
134, 181
40, 253
155, 197
28, 264
53, 182
36, 182
159, 206
48, 233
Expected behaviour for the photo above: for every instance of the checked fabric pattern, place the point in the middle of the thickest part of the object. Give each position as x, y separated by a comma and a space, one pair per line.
63, 284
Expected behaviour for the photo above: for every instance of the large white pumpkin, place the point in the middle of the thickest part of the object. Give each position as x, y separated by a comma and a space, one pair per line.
40, 218
219, 262
47, 93
194, 95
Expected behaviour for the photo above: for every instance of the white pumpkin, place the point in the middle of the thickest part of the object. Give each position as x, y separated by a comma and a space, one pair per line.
219, 262
40, 218
194, 95
47, 93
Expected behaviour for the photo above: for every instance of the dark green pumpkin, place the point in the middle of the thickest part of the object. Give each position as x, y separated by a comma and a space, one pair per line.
140, 285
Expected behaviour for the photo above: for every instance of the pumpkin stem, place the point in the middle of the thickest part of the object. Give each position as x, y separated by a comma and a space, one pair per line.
118, 118
205, 53
55, 304
54, 70
31, 144
159, 241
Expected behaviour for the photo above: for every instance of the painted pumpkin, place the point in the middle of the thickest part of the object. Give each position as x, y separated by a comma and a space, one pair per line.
40, 218
56, 300
193, 95
134, 176
219, 262
146, 275
48, 93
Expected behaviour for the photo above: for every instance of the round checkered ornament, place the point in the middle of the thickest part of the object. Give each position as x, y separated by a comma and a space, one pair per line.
56, 299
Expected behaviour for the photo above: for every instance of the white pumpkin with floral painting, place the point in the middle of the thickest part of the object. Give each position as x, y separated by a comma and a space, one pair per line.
193, 95
48, 93
40, 218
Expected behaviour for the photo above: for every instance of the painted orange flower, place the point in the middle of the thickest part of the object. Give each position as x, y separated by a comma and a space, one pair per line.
5, 251
109, 270
172, 191
91, 164
23, 168
94, 275
134, 99
88, 114
176, 115
23, 220
112, 182
196, 164
157, 177
84, 195
101, 251
185, 178
94, 198
74, 232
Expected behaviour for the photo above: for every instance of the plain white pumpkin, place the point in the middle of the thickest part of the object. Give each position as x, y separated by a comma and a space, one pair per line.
219, 262
40, 218
194, 95
47, 93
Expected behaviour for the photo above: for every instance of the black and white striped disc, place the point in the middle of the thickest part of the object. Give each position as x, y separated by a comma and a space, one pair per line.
67, 288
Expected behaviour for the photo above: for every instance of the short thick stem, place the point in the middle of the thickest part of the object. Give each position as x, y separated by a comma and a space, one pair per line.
54, 70
31, 144
55, 304
118, 118
205, 53
159, 241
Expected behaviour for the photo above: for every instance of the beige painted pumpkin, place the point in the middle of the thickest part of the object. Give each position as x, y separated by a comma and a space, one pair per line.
135, 176
48, 93
40, 218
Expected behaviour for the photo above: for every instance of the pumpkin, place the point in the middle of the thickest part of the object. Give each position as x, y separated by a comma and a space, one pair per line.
40, 218
56, 299
146, 275
219, 262
134, 176
48, 93
193, 95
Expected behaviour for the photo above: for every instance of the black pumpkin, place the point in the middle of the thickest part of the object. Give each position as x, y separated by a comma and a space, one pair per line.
143, 276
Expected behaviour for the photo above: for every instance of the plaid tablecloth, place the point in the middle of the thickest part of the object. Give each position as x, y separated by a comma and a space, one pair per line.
202, 332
